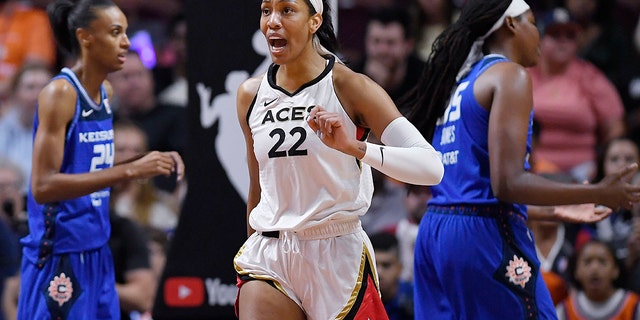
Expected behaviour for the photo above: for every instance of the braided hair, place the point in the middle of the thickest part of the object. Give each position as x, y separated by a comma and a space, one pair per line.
428, 100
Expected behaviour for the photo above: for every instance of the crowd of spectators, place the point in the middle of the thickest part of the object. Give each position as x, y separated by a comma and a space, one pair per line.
586, 103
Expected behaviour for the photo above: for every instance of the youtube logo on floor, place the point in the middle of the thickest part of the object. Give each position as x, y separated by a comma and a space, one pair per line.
184, 292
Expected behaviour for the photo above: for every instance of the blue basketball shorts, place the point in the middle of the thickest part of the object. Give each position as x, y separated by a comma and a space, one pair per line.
69, 286
478, 262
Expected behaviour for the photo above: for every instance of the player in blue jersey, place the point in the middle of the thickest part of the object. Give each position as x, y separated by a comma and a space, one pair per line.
475, 257
67, 268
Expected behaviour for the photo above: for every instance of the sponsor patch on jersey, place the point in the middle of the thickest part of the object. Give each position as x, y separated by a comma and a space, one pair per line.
61, 289
518, 271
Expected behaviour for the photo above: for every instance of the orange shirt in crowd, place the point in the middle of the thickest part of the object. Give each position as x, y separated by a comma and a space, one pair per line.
556, 285
25, 35
626, 308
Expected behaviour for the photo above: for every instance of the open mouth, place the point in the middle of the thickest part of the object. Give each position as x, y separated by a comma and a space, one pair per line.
277, 44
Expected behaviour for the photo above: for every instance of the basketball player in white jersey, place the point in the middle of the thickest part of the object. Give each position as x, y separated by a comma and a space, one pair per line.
305, 124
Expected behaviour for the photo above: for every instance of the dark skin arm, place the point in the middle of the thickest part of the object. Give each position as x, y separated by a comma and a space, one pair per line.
374, 110
55, 111
246, 93
505, 90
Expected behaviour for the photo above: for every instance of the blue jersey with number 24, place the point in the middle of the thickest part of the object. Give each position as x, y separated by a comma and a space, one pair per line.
82, 223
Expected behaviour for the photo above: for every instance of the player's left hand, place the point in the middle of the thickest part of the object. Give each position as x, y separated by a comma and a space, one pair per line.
581, 213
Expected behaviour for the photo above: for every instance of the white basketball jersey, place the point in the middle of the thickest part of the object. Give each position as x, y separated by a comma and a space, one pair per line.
304, 183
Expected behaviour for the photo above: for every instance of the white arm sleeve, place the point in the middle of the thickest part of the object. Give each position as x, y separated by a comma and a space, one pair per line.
405, 155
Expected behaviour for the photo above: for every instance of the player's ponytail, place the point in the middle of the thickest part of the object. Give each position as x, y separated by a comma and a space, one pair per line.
58, 12
67, 16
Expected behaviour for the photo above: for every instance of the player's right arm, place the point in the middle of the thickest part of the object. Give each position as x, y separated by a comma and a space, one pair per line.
506, 90
56, 108
246, 93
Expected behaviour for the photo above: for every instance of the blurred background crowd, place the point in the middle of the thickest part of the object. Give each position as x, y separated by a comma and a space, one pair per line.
587, 124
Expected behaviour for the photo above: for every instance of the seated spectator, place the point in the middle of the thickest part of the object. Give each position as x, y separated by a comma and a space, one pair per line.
554, 248
622, 228
135, 100
616, 229
138, 200
135, 280
157, 243
597, 294
407, 229
158, 248
13, 225
578, 108
12, 198
390, 58
397, 295
16, 126
554, 252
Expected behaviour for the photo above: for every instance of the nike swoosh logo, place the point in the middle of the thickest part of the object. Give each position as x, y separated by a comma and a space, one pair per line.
266, 103
86, 113
382, 156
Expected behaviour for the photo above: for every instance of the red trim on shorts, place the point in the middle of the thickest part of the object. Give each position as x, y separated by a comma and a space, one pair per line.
239, 283
371, 307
